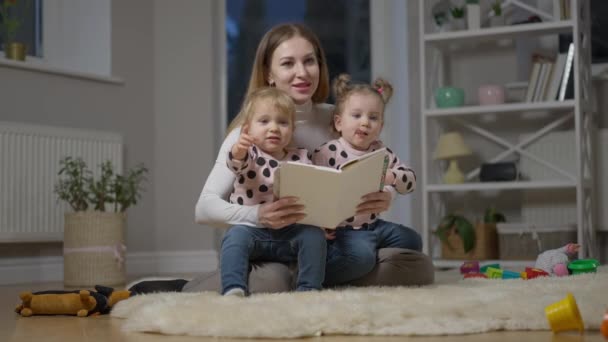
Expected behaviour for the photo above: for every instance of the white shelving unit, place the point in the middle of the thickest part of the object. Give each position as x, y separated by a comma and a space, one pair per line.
436, 49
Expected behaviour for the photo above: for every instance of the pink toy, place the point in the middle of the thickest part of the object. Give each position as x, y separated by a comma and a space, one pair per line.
555, 261
491, 94
469, 267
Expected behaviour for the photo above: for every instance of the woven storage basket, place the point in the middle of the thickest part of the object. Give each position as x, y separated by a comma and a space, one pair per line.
93, 249
486, 244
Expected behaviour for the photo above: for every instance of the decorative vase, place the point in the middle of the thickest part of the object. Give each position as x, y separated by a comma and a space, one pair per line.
15, 51
458, 24
93, 249
497, 21
491, 94
473, 16
446, 97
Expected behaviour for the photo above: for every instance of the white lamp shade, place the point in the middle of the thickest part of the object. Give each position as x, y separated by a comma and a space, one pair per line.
451, 145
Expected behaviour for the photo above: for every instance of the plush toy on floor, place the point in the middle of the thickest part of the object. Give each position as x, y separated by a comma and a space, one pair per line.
555, 261
81, 303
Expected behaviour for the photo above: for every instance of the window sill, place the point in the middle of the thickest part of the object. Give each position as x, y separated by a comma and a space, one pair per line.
39, 67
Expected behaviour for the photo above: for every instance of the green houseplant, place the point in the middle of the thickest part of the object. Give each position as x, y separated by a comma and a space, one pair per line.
458, 224
12, 13
94, 230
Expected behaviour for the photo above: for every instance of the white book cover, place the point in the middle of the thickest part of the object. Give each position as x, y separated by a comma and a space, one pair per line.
566, 74
533, 80
556, 77
331, 195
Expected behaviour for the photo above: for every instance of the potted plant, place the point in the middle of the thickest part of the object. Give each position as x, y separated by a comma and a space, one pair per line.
460, 239
473, 15
94, 230
11, 15
496, 17
456, 234
457, 13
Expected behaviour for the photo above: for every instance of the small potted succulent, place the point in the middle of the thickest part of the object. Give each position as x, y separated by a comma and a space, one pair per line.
457, 13
497, 18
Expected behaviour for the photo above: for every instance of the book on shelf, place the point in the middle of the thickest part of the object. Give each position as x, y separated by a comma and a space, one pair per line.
331, 195
566, 88
556, 77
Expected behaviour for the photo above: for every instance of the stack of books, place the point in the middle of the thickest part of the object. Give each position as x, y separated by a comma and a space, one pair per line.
551, 79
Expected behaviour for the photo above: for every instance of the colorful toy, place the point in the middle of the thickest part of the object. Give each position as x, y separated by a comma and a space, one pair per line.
564, 315
583, 266
469, 267
494, 273
506, 274
604, 327
555, 261
475, 275
81, 303
531, 273
484, 268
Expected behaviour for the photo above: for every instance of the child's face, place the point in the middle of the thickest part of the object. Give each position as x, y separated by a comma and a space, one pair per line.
270, 129
361, 121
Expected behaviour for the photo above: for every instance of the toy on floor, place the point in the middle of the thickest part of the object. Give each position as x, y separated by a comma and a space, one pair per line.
604, 327
469, 267
81, 303
531, 273
564, 315
555, 261
583, 266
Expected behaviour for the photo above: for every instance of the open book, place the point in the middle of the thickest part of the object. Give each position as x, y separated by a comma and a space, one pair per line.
331, 195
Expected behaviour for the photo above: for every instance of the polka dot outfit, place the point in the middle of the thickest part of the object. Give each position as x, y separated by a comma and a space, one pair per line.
255, 174
334, 153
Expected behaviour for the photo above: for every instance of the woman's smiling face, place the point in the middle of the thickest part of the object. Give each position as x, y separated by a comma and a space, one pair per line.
294, 69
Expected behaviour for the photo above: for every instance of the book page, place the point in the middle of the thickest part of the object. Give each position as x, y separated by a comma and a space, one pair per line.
331, 195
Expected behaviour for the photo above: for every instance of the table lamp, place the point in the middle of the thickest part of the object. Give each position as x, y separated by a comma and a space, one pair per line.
451, 146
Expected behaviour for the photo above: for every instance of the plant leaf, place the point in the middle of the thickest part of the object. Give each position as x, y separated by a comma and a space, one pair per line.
466, 231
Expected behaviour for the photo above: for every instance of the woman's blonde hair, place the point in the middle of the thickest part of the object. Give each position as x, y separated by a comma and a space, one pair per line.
343, 87
278, 99
263, 57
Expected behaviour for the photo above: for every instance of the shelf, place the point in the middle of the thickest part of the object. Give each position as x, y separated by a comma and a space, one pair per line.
502, 108
518, 265
494, 33
500, 186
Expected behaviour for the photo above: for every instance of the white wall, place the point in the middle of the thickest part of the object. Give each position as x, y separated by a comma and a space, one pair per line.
164, 110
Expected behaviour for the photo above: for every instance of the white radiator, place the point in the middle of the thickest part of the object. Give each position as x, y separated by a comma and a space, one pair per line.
29, 163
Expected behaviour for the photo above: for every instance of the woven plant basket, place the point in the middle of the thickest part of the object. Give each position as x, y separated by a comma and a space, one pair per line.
486, 244
93, 249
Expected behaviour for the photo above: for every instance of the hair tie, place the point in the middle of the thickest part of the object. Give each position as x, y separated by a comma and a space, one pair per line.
379, 90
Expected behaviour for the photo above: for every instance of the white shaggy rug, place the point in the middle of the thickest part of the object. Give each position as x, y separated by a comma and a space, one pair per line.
467, 306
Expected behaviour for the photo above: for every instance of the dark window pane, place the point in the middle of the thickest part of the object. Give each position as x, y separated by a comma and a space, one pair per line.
341, 25
27, 16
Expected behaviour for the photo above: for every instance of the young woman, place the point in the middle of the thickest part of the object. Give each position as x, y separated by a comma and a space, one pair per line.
290, 58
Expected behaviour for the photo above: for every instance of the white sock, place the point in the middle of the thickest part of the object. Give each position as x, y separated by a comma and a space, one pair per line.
235, 291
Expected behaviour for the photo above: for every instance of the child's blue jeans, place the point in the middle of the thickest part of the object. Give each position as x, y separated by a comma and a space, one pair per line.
302, 243
353, 253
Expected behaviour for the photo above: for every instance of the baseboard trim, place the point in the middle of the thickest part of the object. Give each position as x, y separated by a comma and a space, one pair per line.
50, 269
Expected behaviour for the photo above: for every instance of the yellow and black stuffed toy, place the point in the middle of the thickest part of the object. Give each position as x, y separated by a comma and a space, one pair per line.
81, 303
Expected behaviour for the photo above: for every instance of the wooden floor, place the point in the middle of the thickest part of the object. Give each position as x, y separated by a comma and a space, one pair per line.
14, 328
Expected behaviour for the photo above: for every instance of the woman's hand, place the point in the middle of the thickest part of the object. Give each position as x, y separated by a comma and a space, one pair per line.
374, 203
280, 213
330, 234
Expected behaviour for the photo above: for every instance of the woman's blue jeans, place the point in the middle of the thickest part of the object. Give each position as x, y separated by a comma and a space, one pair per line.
302, 243
353, 253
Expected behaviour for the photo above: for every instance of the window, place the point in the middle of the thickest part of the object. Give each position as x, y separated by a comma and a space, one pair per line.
69, 35
30, 25
343, 27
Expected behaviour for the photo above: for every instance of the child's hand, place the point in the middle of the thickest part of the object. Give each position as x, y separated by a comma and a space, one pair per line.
330, 234
239, 150
389, 179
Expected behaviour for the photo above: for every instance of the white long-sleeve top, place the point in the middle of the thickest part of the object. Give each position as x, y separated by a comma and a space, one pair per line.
213, 208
